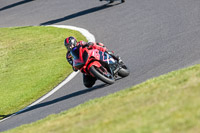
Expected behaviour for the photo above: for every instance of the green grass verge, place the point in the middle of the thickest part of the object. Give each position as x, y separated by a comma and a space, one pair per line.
167, 104
32, 62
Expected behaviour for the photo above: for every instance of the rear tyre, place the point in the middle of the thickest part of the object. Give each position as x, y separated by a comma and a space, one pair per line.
123, 72
102, 74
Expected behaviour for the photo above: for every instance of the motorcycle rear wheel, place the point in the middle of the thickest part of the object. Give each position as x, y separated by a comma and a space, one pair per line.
102, 75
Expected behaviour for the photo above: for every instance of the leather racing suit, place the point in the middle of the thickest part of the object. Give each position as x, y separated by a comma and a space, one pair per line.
88, 80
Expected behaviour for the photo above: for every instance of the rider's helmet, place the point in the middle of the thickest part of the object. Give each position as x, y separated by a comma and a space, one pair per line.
70, 42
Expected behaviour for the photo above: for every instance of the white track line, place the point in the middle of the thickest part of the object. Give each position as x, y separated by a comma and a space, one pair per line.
90, 38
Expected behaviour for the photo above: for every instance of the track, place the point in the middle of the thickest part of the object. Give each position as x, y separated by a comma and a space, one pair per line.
153, 37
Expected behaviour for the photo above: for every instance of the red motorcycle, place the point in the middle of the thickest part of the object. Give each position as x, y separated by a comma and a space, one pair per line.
98, 64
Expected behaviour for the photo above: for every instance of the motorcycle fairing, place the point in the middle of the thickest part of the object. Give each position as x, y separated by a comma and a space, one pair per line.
83, 58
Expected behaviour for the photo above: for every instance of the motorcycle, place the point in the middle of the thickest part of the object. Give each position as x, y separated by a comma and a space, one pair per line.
98, 64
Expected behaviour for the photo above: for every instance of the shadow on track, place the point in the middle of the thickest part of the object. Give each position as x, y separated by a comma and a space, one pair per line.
15, 4
78, 14
4, 116
81, 92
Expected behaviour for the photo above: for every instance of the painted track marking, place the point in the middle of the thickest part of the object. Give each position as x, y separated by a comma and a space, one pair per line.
90, 38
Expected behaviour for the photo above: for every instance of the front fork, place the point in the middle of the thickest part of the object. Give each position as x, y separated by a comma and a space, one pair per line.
114, 68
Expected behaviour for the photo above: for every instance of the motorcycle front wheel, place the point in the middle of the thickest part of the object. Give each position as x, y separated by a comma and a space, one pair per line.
124, 71
102, 74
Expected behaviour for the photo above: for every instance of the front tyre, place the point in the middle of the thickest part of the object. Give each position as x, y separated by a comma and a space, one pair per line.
102, 74
123, 72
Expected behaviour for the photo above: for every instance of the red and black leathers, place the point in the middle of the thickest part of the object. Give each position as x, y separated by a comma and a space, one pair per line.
88, 80
92, 45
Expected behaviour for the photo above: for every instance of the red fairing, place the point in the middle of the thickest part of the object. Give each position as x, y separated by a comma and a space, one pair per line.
100, 47
84, 58
95, 63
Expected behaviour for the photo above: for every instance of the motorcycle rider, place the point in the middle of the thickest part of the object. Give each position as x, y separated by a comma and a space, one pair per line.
71, 42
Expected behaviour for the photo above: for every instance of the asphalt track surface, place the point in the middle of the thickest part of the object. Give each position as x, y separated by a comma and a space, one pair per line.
153, 37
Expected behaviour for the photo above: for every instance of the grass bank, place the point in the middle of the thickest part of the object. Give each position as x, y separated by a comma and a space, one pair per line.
32, 62
167, 104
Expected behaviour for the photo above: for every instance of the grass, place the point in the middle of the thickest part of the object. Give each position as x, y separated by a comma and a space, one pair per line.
32, 62
167, 104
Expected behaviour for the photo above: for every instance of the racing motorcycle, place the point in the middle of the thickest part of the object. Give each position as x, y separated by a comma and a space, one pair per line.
98, 64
